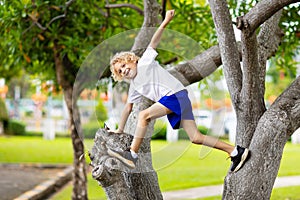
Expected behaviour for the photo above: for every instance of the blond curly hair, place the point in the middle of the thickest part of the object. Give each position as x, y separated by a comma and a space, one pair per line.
123, 57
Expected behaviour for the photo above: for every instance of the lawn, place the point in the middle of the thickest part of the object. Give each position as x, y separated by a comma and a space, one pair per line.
179, 165
286, 193
35, 150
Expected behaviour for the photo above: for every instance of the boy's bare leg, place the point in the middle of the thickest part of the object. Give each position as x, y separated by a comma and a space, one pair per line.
153, 112
129, 158
198, 138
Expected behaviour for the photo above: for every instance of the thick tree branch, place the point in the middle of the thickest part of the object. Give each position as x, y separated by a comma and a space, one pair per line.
262, 11
254, 58
269, 39
199, 67
228, 48
151, 13
252, 104
289, 102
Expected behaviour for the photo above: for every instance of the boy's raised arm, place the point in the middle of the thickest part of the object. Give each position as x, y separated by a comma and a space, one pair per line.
157, 35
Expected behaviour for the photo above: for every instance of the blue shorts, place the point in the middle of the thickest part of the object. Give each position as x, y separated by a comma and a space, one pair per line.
180, 105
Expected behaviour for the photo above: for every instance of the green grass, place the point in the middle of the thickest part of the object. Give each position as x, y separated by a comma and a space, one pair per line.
179, 165
95, 192
15, 149
290, 163
23, 149
184, 165
285, 193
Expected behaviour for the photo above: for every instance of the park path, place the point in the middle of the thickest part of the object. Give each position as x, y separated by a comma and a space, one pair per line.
15, 180
31, 181
216, 190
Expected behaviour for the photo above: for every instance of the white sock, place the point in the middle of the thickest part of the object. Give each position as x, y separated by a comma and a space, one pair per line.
134, 155
234, 152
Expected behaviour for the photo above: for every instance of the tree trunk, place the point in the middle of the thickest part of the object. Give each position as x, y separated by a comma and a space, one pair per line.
79, 172
264, 132
117, 180
140, 183
256, 179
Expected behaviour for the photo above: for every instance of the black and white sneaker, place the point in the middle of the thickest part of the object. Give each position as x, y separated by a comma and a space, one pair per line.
239, 159
124, 156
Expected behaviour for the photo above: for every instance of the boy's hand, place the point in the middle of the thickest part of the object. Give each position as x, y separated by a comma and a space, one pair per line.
169, 15
111, 131
157, 35
118, 131
115, 131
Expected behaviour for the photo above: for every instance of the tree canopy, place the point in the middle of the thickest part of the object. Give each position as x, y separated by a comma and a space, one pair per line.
30, 29
53, 38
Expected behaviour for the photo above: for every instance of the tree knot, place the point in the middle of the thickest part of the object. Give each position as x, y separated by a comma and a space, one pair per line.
242, 23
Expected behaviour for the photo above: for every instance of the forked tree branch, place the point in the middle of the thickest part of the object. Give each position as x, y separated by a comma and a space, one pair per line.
44, 28
262, 11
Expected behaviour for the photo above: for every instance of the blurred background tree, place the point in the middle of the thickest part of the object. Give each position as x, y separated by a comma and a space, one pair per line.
51, 39
3, 117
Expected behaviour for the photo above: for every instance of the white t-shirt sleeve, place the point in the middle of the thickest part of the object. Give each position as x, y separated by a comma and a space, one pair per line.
133, 95
148, 56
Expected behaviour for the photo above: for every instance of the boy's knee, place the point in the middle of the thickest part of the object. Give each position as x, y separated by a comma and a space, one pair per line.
195, 141
144, 117
196, 138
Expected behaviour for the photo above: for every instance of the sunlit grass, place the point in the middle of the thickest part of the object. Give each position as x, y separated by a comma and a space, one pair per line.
183, 165
35, 150
285, 193
179, 165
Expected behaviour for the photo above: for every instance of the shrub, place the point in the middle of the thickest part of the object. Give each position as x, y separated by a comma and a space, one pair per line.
160, 130
15, 128
182, 135
3, 115
101, 112
90, 129
3, 111
29, 113
34, 133
203, 129
62, 134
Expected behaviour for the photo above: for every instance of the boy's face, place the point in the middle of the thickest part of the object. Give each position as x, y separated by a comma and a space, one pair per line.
126, 70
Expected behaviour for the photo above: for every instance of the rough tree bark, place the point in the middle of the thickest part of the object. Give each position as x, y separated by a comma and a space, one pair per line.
117, 180
264, 132
79, 172
257, 177
257, 128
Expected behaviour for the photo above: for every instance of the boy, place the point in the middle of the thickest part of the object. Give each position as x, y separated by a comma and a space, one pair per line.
149, 79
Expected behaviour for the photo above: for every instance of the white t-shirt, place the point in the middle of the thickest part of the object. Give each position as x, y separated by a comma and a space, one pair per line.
152, 81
